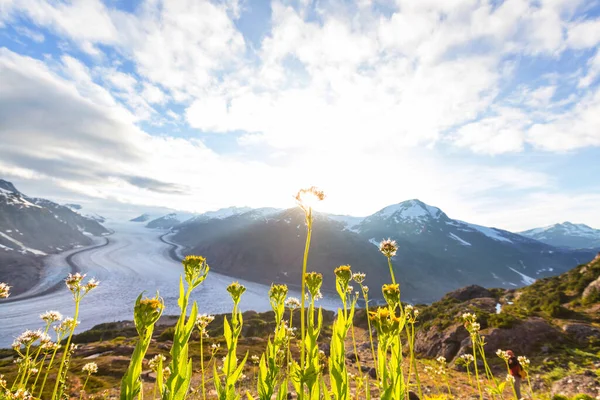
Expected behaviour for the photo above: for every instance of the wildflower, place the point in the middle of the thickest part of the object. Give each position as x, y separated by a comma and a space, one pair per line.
343, 274
196, 269
236, 290
365, 289
502, 354
359, 277
73, 281
51, 316
308, 198
510, 378
92, 284
314, 280
524, 361
215, 346
255, 359
292, 303
28, 337
391, 294
166, 372
155, 361
21, 394
441, 360
146, 312
388, 247
66, 325
466, 358
50, 346
349, 289
2, 381
277, 295
4, 290
90, 368
202, 322
34, 371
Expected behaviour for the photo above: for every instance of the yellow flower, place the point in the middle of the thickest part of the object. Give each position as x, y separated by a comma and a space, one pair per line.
314, 280
235, 291
196, 269
391, 294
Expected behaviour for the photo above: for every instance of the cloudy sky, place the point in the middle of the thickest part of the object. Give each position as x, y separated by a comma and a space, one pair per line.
488, 109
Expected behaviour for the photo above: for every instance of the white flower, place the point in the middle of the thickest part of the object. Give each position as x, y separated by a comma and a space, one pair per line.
359, 277
90, 368
51, 316
292, 303
510, 378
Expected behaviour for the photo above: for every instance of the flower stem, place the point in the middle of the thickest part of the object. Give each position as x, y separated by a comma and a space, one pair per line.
303, 287
84, 385
391, 270
66, 350
202, 364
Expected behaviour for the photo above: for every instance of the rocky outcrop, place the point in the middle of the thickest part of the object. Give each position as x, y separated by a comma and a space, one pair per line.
525, 338
577, 384
581, 333
594, 286
469, 293
435, 342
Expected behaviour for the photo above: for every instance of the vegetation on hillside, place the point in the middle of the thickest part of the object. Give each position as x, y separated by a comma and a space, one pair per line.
203, 356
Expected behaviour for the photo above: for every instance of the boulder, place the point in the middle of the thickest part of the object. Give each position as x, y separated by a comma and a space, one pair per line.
526, 338
581, 333
435, 342
469, 293
577, 384
593, 286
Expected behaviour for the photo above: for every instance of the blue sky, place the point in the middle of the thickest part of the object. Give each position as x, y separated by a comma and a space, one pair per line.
489, 110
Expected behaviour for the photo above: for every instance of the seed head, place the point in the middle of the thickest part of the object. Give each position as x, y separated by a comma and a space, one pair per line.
90, 368
235, 291
388, 247
308, 198
4, 290
51, 316
196, 269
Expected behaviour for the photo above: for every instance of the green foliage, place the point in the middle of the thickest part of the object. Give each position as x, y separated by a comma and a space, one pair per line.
502, 320
146, 313
559, 397
582, 397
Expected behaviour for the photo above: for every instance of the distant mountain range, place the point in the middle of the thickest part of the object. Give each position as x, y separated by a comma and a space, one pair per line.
567, 235
437, 254
34, 227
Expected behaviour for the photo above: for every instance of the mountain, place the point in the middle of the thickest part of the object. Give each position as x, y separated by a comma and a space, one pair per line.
168, 221
76, 208
142, 218
436, 254
34, 227
567, 234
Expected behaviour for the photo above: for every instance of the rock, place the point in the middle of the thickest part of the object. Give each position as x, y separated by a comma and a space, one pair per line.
325, 348
525, 338
412, 396
576, 384
373, 373
433, 342
581, 333
364, 368
469, 293
353, 357
123, 350
291, 396
594, 286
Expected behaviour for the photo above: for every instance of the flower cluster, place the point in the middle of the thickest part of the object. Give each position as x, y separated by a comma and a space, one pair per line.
307, 198
202, 322
471, 324
90, 368
503, 354
314, 280
359, 277
4, 290
292, 303
235, 291
29, 337
155, 362
196, 269
388, 247
51, 316
524, 361
391, 294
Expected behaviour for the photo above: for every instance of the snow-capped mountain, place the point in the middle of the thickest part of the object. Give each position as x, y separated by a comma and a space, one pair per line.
76, 208
169, 221
567, 235
142, 218
436, 253
34, 227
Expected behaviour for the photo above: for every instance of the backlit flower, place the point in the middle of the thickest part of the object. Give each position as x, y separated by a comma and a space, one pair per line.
51, 316
90, 368
388, 247
4, 290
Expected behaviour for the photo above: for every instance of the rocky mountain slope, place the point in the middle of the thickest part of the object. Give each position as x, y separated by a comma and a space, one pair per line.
31, 228
567, 235
437, 254
555, 322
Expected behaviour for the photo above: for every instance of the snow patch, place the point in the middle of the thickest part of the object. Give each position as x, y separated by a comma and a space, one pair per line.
492, 233
527, 280
25, 248
375, 242
461, 241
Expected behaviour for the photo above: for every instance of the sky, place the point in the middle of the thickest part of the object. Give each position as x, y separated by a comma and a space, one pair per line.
487, 109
